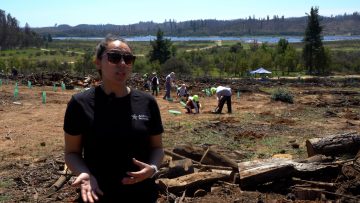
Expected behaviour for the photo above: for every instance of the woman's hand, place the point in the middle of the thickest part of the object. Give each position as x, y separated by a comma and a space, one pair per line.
88, 186
146, 171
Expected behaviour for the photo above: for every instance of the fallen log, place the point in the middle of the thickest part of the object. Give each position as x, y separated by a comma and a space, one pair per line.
189, 182
214, 158
334, 145
253, 173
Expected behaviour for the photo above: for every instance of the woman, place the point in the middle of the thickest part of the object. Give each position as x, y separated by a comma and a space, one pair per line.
113, 133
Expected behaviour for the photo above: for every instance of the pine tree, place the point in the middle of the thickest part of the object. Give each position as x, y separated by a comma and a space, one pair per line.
49, 38
282, 46
315, 58
161, 48
27, 35
3, 28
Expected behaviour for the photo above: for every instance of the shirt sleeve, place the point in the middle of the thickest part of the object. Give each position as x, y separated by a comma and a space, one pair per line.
74, 119
156, 123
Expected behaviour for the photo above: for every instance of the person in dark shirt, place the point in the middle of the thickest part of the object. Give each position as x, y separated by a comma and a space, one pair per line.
14, 73
113, 141
155, 84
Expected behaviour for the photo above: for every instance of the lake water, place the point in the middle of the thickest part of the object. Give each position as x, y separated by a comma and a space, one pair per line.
249, 39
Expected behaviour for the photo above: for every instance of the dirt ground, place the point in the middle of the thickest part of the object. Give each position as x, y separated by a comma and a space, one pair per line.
31, 135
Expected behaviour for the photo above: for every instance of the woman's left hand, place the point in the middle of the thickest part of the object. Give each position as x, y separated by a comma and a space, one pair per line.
146, 171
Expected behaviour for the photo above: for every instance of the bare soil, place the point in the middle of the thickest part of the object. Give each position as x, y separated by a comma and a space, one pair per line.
31, 136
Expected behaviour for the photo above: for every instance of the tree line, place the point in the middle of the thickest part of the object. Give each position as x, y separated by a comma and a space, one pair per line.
314, 59
11, 35
334, 25
219, 61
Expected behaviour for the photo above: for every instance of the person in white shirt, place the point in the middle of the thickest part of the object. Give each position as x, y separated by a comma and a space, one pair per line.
169, 80
223, 94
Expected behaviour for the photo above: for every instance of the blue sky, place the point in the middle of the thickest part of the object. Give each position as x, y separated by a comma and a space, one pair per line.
42, 13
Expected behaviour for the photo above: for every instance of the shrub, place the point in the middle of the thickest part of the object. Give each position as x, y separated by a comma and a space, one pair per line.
53, 52
282, 95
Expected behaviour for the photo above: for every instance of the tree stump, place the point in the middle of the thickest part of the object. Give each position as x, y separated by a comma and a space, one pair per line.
334, 145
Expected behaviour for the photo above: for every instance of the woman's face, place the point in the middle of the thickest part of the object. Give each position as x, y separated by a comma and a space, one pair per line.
116, 63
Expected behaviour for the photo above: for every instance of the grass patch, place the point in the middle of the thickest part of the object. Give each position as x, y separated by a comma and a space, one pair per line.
272, 145
192, 132
4, 198
215, 138
282, 95
4, 184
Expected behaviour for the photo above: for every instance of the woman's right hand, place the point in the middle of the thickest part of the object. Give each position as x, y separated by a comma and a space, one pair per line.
88, 186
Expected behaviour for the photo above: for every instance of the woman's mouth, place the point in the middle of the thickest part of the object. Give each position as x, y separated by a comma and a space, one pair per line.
120, 73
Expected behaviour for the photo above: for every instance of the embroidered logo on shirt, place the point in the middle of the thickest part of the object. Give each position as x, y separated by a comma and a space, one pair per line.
140, 117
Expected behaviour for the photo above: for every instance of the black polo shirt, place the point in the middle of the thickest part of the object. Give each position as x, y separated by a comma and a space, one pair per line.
114, 131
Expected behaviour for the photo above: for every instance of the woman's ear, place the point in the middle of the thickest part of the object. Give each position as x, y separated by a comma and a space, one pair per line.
97, 62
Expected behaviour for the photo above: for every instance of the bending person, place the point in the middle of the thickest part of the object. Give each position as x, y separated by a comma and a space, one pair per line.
223, 94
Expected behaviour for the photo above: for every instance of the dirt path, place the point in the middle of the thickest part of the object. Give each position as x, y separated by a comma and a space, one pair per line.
217, 44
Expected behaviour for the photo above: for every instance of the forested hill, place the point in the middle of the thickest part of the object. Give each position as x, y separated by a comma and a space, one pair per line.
338, 25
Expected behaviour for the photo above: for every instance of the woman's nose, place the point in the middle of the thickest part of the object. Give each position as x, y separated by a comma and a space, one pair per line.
122, 61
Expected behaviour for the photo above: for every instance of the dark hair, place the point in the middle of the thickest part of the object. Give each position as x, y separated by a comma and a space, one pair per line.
102, 46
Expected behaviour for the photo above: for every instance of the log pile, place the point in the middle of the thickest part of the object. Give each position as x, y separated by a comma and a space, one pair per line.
331, 172
137, 81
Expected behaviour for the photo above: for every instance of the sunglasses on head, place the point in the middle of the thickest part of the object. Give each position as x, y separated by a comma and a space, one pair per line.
115, 58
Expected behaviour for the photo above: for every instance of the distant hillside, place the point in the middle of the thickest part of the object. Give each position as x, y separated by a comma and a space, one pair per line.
338, 25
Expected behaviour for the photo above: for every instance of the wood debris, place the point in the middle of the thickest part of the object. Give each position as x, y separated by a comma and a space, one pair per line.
319, 177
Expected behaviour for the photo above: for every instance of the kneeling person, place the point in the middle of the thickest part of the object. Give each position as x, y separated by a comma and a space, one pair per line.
193, 103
